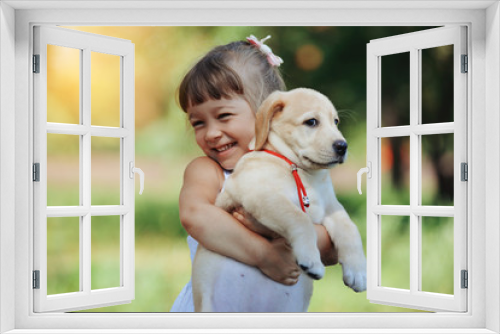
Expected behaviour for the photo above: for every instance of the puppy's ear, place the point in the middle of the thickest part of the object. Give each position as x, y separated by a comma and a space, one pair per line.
272, 105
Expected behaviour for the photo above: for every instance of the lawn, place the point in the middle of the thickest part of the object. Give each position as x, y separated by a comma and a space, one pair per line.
162, 256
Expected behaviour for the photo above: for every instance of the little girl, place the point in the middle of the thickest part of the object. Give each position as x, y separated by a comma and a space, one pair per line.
220, 96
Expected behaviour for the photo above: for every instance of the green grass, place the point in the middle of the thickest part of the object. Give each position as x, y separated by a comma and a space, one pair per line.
162, 256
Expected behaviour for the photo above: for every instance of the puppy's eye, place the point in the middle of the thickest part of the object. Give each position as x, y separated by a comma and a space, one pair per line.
336, 121
313, 122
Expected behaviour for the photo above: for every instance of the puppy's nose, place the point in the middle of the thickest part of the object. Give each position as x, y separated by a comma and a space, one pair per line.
340, 147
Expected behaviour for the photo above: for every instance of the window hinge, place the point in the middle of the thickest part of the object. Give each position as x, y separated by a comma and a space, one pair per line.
464, 171
36, 172
36, 279
465, 279
36, 63
465, 64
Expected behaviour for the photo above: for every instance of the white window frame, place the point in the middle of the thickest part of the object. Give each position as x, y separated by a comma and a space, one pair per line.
86, 44
413, 44
16, 125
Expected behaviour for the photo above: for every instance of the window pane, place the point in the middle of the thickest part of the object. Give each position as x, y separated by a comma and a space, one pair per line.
63, 84
437, 254
396, 89
437, 84
395, 170
63, 170
105, 171
105, 252
63, 255
395, 238
105, 89
437, 169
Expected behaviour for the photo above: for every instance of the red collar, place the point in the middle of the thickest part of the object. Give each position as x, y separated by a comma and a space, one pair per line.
301, 190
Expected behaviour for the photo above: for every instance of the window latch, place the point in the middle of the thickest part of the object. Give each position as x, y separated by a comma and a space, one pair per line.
139, 171
368, 171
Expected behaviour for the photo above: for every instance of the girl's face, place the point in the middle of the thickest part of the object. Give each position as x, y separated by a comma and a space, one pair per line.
223, 129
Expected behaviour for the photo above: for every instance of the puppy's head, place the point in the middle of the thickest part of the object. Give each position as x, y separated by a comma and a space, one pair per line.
302, 125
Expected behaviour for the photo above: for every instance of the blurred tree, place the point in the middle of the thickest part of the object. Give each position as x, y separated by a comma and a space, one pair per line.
327, 58
437, 107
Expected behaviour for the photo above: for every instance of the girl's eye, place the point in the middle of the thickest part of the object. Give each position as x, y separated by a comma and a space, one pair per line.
313, 122
224, 115
336, 121
196, 124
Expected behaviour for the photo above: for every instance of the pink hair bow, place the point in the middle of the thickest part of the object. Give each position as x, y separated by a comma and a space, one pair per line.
271, 57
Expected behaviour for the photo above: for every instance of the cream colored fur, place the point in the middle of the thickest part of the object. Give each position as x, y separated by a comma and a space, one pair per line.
264, 186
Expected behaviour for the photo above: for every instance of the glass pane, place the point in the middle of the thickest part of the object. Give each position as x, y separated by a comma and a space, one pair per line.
437, 254
437, 84
63, 170
395, 89
105, 89
105, 171
395, 170
63, 255
105, 252
63, 84
395, 238
437, 169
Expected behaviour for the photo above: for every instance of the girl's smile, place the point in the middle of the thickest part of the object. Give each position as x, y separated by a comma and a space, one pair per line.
223, 129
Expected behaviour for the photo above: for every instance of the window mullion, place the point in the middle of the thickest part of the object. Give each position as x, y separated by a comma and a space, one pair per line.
415, 239
80, 130
85, 166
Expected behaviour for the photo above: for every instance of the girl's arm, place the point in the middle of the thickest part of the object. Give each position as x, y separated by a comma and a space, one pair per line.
220, 232
329, 255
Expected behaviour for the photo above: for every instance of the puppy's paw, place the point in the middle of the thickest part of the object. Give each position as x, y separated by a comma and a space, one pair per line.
354, 270
355, 280
314, 269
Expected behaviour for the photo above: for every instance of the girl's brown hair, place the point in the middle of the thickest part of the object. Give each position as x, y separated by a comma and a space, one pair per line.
237, 68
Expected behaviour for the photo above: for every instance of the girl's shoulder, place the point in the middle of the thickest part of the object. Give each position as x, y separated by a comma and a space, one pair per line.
206, 171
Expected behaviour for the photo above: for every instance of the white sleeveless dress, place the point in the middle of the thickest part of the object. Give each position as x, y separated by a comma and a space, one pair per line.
261, 294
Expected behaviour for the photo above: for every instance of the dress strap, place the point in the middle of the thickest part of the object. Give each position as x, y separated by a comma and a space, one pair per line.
227, 173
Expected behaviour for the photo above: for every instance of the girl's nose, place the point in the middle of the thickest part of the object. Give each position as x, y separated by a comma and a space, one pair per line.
213, 133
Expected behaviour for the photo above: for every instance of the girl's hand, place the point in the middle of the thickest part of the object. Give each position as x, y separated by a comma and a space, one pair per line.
278, 263
329, 254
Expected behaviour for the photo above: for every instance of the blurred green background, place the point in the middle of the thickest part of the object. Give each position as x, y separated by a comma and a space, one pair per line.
329, 59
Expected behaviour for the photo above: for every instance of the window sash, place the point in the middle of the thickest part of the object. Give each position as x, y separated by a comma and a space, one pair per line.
413, 43
85, 298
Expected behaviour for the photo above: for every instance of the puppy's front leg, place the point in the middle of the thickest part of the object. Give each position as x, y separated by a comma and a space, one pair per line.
286, 219
347, 240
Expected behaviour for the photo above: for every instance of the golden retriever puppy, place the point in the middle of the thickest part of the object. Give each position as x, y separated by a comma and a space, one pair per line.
285, 185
